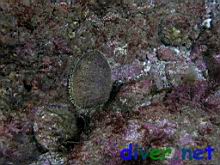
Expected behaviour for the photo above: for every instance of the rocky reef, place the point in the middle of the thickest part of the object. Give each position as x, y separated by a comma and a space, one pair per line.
82, 79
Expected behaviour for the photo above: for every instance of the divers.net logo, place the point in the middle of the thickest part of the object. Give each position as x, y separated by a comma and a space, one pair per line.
134, 152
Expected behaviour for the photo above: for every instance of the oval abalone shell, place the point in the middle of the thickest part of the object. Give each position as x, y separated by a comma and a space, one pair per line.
90, 81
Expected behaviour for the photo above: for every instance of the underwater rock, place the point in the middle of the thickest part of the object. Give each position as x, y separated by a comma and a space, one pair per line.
90, 81
178, 73
175, 30
214, 99
103, 2
211, 38
116, 131
4, 106
152, 126
18, 150
196, 55
133, 94
55, 126
7, 29
128, 72
51, 158
166, 54
213, 68
17, 145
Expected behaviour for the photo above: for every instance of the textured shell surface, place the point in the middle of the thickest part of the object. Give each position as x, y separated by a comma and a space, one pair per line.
54, 125
90, 81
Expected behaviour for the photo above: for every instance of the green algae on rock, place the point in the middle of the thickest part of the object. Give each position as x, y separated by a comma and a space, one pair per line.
90, 81
175, 30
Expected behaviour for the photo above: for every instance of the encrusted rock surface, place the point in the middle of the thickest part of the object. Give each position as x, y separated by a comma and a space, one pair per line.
50, 158
154, 127
175, 30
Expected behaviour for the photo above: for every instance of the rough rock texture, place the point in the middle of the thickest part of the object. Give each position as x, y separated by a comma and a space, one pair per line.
175, 30
152, 127
17, 143
50, 158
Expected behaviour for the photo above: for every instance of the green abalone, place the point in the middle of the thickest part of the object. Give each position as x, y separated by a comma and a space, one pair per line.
55, 126
90, 81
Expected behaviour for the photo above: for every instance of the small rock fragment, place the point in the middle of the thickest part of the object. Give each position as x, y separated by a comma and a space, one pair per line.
166, 54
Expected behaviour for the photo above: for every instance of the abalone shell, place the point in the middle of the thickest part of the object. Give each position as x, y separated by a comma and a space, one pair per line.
90, 81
